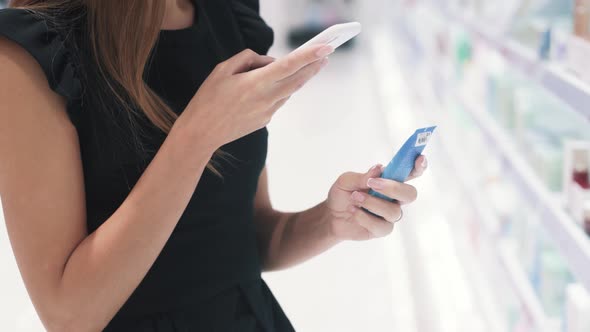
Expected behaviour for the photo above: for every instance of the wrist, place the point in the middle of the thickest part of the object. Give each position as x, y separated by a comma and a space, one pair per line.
193, 140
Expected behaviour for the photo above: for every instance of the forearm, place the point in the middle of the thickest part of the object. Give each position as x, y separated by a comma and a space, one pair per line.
296, 237
109, 264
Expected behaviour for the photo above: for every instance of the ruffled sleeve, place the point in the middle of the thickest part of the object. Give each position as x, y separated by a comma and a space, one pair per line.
257, 35
33, 33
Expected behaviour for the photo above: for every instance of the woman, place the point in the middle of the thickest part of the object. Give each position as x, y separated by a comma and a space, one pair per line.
132, 177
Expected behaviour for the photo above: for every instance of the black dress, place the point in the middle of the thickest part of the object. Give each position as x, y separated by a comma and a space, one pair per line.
208, 275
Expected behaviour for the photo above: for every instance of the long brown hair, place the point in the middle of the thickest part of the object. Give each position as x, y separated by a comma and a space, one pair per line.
120, 56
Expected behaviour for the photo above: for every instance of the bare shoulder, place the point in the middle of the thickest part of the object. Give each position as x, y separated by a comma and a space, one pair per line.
32, 116
24, 86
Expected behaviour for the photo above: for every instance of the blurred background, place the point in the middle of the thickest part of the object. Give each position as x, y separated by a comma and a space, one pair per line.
498, 240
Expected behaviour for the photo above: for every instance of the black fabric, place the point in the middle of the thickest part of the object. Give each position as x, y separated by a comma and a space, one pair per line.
208, 275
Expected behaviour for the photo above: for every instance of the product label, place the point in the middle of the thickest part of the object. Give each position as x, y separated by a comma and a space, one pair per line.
423, 138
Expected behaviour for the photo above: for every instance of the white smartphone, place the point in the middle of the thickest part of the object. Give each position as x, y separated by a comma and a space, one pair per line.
335, 35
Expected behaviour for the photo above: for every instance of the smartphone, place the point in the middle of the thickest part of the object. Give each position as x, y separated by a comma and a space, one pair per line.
335, 35
403, 162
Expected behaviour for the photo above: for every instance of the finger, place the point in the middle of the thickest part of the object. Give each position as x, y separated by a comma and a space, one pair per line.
376, 227
261, 61
388, 210
352, 181
420, 166
362, 234
402, 192
293, 62
293, 83
245, 61
350, 229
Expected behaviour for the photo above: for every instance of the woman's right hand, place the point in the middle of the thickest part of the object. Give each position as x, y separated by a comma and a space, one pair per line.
242, 94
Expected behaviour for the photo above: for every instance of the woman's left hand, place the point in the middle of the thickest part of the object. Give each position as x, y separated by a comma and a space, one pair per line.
349, 194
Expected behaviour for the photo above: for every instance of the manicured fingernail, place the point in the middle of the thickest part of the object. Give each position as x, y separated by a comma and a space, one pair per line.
358, 196
373, 168
324, 62
424, 163
325, 51
375, 183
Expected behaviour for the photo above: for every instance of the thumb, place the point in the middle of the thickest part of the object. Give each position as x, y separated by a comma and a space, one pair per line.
352, 181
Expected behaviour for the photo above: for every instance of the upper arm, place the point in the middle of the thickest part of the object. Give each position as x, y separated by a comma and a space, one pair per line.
41, 177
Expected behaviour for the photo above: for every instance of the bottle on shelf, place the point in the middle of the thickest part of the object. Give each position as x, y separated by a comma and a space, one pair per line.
586, 222
577, 179
580, 171
582, 18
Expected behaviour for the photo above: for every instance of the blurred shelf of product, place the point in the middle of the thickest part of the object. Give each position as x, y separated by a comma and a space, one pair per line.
313, 16
541, 47
506, 82
3, 3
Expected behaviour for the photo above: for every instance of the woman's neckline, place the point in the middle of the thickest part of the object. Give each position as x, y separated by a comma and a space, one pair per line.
196, 21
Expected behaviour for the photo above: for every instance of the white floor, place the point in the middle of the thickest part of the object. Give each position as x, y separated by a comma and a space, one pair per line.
334, 124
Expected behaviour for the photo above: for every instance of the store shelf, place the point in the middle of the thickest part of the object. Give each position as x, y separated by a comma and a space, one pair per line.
511, 267
555, 79
566, 235
513, 270
567, 87
514, 273
448, 145
487, 222
522, 287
